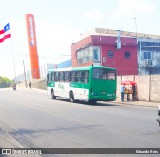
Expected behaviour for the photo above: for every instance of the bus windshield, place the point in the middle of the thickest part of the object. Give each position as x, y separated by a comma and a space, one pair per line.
103, 74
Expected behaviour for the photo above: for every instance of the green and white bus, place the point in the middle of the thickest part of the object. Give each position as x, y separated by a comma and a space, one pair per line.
92, 83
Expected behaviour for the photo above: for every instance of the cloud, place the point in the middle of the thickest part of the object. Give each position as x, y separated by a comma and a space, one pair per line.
130, 8
55, 41
94, 15
135, 5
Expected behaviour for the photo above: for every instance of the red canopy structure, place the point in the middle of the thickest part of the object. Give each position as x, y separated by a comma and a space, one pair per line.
128, 82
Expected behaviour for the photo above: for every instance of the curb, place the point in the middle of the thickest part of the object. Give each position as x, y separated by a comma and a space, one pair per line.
118, 101
138, 103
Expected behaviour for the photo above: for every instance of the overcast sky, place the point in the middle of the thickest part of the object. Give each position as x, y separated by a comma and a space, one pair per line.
59, 23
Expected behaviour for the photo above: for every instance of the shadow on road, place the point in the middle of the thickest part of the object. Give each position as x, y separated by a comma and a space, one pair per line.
24, 131
86, 103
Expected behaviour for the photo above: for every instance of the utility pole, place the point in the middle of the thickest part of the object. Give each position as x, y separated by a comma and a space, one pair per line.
25, 74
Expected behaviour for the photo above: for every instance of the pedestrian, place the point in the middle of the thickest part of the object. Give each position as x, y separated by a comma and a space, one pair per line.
122, 92
30, 84
134, 92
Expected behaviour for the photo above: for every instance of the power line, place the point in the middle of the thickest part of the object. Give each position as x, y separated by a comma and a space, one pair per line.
41, 57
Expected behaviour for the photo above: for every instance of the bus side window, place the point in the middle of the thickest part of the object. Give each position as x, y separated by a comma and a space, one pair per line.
75, 77
52, 76
86, 80
67, 76
57, 76
86, 76
72, 76
83, 76
47, 78
79, 76
61, 76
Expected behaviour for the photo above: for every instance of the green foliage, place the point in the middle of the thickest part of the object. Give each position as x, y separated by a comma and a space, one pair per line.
5, 82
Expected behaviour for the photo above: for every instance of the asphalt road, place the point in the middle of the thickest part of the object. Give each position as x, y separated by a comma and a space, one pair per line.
30, 119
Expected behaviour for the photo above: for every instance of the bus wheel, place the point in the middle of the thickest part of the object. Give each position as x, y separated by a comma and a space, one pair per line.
71, 96
52, 94
92, 101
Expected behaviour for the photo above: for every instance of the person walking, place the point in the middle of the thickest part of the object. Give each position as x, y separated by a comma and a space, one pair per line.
30, 84
122, 92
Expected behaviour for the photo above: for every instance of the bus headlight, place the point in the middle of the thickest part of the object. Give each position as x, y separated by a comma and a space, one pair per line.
92, 92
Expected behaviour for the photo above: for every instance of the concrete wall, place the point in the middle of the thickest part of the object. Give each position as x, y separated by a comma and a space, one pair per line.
148, 86
40, 84
155, 88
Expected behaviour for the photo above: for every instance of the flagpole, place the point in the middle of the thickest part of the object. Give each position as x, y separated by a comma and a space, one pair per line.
13, 60
6, 36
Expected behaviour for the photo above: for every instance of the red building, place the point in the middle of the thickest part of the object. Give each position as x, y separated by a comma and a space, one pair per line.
118, 52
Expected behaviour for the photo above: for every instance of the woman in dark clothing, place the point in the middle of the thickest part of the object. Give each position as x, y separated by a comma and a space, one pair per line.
134, 92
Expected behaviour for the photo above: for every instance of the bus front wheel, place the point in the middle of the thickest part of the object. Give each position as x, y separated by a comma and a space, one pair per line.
52, 94
71, 96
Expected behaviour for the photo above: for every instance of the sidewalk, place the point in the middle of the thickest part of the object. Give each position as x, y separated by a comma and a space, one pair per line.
117, 101
139, 103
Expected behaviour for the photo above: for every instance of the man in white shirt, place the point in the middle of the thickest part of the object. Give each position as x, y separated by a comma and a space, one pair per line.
122, 92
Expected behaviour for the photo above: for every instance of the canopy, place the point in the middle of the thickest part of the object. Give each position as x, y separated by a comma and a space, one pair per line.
128, 82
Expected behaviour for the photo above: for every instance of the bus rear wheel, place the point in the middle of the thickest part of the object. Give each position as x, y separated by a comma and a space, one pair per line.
71, 96
92, 101
52, 94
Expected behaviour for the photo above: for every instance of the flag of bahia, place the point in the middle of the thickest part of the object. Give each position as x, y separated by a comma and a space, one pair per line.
3, 34
7, 27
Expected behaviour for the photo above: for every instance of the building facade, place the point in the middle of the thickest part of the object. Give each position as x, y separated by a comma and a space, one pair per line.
130, 53
148, 56
103, 50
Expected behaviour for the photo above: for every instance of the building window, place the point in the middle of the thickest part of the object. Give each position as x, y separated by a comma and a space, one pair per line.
96, 54
88, 54
110, 54
84, 55
127, 55
147, 55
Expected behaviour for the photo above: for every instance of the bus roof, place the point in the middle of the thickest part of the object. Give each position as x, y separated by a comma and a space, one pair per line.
79, 68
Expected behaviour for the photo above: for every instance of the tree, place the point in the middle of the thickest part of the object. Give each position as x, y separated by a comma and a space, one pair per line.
5, 82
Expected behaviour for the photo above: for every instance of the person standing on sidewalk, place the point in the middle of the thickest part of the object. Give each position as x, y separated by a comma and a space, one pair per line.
122, 92
134, 92
30, 84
